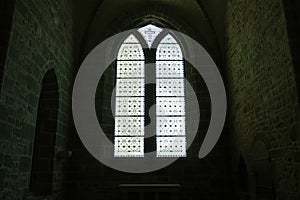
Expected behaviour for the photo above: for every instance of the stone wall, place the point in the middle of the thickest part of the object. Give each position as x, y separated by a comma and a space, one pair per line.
41, 39
6, 13
261, 53
264, 104
291, 8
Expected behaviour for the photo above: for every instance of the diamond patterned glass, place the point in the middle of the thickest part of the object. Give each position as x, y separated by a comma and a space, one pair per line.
130, 106
130, 69
131, 52
171, 147
130, 97
170, 100
129, 126
169, 52
168, 126
130, 87
169, 69
129, 146
170, 87
170, 106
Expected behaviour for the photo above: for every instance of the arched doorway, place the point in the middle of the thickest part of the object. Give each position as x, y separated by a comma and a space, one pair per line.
44, 143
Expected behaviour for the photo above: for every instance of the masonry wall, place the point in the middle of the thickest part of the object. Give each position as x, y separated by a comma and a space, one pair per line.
291, 8
6, 13
41, 39
264, 104
264, 108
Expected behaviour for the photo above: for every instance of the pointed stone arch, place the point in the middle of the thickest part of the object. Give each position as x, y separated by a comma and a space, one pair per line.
45, 135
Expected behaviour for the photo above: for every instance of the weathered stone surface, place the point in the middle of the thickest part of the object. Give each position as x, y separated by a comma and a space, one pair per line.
262, 88
264, 107
35, 47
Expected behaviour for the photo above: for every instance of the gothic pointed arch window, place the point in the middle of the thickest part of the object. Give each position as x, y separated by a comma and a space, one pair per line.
130, 94
170, 99
169, 95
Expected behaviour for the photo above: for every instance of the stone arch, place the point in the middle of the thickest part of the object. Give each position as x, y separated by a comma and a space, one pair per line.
44, 142
161, 17
7, 11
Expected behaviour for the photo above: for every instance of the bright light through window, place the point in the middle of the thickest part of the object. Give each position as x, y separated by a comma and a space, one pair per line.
170, 100
149, 33
130, 100
130, 96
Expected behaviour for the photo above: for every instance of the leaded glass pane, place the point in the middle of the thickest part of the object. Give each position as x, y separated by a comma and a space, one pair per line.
171, 146
129, 146
130, 69
150, 32
168, 39
130, 87
168, 126
129, 106
170, 87
170, 106
129, 102
131, 39
168, 52
131, 52
169, 69
129, 126
170, 100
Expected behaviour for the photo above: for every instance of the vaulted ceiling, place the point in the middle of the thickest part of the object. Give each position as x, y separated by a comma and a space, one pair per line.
204, 20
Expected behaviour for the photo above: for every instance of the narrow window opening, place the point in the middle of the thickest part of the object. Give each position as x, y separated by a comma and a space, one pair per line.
133, 98
44, 144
